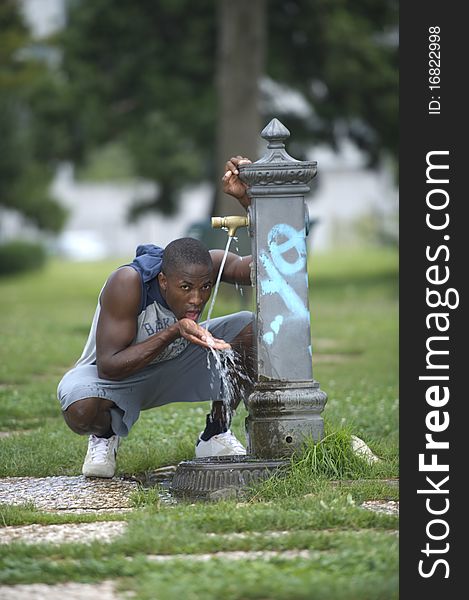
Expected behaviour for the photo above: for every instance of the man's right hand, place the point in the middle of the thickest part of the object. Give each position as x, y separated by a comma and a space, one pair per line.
195, 333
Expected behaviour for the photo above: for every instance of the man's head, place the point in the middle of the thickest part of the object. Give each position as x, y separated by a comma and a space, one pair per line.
186, 277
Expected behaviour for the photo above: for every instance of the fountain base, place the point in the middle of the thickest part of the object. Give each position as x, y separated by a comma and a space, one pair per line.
221, 477
282, 415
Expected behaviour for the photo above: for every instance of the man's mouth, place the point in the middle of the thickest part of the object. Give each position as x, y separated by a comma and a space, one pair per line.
192, 314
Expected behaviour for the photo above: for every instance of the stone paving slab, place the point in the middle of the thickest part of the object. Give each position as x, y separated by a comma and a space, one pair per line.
83, 533
244, 535
68, 493
234, 555
63, 591
389, 507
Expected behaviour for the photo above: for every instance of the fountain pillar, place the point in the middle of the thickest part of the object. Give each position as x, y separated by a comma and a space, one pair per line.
286, 404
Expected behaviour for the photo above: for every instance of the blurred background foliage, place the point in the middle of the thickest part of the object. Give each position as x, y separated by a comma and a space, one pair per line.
150, 81
25, 171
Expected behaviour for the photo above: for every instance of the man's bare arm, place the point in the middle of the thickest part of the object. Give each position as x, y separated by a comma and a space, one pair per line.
117, 327
116, 358
237, 269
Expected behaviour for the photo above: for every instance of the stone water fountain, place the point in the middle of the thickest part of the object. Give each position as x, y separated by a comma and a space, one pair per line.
285, 406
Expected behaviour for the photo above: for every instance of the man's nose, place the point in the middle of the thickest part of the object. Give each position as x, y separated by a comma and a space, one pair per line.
196, 298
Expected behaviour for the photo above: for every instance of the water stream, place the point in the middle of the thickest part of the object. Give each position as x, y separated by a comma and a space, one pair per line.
215, 292
227, 362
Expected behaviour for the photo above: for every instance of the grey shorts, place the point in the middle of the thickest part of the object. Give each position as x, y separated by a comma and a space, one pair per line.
185, 378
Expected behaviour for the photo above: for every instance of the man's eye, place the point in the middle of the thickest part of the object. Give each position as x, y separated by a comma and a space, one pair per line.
185, 287
207, 286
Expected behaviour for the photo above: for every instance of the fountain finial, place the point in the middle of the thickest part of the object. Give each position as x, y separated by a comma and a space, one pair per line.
275, 133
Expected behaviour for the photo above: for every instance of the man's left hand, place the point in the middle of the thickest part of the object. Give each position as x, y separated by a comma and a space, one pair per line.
232, 184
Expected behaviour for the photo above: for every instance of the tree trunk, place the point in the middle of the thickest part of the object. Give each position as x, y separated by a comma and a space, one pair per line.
240, 65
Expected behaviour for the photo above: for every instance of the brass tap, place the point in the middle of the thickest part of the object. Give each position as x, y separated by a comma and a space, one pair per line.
230, 223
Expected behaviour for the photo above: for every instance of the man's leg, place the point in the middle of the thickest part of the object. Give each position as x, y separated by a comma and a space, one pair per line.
103, 409
85, 398
90, 416
87, 409
217, 438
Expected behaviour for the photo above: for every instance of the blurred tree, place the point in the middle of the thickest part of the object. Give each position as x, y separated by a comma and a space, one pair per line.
240, 65
24, 173
145, 74
141, 73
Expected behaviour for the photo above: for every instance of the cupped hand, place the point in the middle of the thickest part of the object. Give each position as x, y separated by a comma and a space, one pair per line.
232, 184
195, 333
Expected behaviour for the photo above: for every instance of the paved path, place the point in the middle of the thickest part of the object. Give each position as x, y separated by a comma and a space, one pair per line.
82, 533
76, 494
64, 591
97, 496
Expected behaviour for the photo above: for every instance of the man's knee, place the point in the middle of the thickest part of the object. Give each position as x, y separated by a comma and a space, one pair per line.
82, 415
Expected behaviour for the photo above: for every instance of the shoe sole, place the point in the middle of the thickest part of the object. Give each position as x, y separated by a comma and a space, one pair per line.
105, 474
219, 454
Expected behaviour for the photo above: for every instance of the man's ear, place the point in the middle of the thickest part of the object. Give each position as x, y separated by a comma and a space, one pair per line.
163, 281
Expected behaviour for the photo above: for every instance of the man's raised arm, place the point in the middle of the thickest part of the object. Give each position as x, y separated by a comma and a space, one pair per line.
237, 269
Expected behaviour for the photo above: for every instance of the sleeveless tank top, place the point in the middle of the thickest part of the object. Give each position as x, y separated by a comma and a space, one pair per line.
154, 314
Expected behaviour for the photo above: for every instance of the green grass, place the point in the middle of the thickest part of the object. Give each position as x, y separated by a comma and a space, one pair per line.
331, 459
340, 566
28, 514
353, 553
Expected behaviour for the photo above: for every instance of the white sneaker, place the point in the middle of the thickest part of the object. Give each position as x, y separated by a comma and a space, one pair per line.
100, 460
223, 444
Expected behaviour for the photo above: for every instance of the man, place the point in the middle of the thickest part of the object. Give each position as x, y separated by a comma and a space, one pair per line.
146, 347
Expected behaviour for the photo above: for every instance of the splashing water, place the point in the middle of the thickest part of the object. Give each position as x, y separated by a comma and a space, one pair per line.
233, 377
218, 281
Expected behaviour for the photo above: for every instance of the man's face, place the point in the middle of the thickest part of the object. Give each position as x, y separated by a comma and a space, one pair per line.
188, 290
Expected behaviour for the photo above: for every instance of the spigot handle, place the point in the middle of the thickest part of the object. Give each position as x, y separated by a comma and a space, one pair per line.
217, 222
